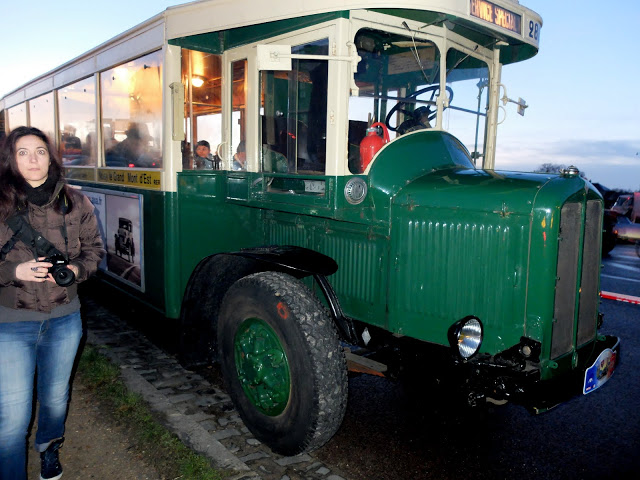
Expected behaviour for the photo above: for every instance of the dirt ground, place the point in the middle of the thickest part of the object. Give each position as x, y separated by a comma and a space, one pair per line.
95, 446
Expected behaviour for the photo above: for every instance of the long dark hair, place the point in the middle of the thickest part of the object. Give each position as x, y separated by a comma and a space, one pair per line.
14, 187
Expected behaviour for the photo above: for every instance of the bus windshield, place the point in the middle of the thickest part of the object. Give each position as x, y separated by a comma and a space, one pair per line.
465, 116
398, 82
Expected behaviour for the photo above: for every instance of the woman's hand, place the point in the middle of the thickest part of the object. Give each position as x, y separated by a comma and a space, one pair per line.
34, 271
73, 268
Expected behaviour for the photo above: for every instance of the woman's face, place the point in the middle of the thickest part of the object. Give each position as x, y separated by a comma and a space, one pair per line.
32, 158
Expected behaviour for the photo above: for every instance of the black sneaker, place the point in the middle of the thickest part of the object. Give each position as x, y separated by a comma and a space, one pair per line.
50, 468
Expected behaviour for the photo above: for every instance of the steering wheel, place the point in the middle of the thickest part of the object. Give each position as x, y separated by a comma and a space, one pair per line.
431, 115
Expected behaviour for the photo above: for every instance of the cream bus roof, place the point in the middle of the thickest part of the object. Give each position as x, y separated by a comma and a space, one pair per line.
211, 15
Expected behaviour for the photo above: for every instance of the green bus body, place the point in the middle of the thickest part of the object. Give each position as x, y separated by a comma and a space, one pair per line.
433, 243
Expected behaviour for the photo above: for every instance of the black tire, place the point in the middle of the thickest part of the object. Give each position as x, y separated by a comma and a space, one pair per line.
312, 407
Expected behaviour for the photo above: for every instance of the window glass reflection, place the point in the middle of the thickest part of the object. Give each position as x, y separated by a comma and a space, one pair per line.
41, 114
77, 120
17, 116
132, 113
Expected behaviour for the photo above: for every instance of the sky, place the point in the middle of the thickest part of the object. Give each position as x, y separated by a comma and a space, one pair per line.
581, 88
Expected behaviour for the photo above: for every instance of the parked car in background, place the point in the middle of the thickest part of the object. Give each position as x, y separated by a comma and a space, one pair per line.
628, 205
625, 230
609, 239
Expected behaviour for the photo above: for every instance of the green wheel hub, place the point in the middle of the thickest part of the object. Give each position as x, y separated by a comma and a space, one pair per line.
262, 366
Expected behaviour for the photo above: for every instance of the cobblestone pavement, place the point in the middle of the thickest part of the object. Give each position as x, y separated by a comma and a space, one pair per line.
200, 413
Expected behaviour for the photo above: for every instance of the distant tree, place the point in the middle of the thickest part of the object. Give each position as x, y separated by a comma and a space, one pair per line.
554, 168
549, 168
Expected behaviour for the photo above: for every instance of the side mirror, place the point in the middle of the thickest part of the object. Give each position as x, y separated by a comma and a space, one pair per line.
521, 106
521, 103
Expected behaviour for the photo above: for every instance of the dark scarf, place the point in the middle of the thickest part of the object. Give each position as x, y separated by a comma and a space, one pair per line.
41, 195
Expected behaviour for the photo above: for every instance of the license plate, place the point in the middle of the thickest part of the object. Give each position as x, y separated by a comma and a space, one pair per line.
601, 371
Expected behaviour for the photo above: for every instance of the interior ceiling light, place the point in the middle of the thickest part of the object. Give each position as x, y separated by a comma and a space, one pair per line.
197, 82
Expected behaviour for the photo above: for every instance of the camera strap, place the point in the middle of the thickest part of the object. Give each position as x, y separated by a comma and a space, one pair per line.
6, 248
24, 232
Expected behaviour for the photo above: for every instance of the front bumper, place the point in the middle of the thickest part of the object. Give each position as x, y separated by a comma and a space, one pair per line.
591, 373
522, 383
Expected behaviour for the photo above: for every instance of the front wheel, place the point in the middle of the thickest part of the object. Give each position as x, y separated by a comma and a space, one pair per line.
282, 361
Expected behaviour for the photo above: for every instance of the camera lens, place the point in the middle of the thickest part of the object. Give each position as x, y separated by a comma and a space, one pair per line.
63, 276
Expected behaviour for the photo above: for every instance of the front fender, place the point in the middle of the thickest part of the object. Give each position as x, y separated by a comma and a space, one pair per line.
215, 274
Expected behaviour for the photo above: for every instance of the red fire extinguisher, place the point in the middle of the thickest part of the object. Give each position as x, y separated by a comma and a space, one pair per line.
370, 144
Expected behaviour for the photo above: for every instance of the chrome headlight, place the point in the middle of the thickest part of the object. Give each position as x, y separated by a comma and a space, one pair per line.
465, 337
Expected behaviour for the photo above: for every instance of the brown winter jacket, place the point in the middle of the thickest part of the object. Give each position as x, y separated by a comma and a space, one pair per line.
85, 252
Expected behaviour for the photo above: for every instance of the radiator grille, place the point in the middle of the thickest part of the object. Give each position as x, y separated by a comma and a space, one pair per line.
566, 278
588, 309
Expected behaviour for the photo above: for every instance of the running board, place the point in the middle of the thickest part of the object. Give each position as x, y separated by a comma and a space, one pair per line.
356, 363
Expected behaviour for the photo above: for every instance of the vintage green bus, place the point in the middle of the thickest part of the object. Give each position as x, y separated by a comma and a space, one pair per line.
348, 214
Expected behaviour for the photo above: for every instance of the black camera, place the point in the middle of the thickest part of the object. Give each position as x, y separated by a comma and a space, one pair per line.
59, 271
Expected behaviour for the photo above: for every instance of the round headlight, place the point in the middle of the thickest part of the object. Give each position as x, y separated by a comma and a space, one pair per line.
466, 336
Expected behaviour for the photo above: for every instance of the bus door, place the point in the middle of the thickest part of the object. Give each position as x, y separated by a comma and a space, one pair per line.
239, 148
292, 124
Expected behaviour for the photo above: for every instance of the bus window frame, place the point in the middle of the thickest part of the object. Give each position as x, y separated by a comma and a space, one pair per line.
229, 57
249, 52
97, 113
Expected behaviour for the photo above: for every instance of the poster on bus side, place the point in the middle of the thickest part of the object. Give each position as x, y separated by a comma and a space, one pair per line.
119, 216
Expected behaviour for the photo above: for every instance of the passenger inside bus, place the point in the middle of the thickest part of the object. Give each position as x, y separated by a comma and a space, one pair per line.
240, 157
203, 159
71, 147
88, 147
133, 151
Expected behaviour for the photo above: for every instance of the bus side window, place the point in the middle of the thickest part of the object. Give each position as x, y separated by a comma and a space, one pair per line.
132, 136
201, 77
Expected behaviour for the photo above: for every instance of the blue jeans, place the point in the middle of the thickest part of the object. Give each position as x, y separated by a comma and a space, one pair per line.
48, 348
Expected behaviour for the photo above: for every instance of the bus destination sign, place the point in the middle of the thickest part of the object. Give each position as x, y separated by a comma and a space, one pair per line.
131, 178
492, 13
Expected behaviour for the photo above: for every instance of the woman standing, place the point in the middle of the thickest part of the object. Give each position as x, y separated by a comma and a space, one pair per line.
40, 325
